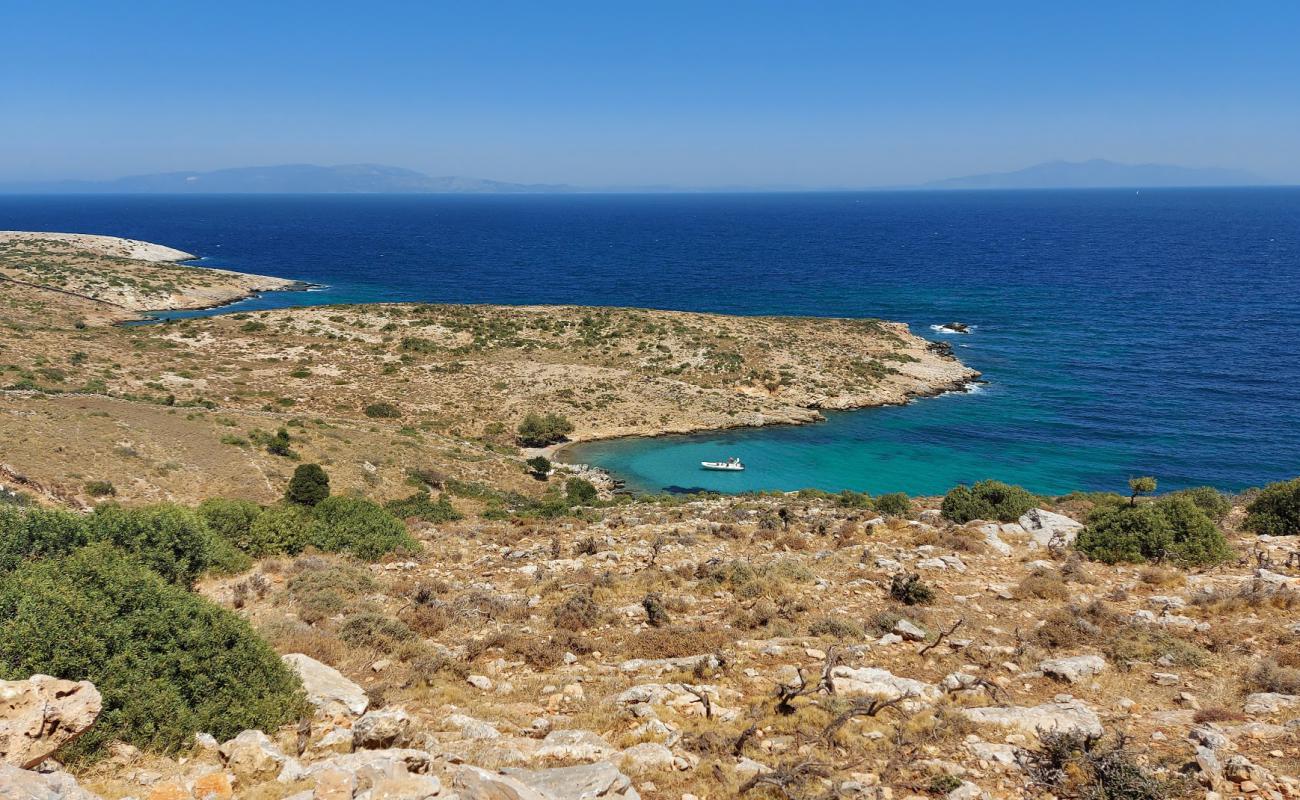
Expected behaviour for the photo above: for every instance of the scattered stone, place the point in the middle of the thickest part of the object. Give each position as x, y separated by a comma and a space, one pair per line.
599, 780
253, 757
41, 714
1270, 703
647, 757
910, 630
376, 730
480, 682
1074, 668
575, 745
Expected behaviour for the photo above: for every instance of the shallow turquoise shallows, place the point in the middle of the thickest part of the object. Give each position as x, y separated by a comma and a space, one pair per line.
1121, 332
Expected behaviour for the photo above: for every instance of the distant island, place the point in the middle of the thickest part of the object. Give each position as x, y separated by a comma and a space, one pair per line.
289, 179
1098, 173
384, 179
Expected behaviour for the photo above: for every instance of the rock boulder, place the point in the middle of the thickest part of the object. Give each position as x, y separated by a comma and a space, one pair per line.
42, 714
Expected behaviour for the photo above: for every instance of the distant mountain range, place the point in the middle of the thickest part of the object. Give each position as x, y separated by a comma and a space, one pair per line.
381, 179
1099, 173
290, 179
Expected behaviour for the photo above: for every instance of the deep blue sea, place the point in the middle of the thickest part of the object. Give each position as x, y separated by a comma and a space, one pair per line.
1120, 332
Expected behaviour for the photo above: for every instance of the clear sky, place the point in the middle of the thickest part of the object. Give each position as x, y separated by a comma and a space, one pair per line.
751, 92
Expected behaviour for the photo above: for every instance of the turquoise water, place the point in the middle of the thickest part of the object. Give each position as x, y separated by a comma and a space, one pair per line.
1120, 333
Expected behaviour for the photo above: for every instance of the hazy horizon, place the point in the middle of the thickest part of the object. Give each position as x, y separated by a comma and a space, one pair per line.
760, 94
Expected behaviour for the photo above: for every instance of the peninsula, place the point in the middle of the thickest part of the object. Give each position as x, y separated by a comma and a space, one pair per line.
436, 377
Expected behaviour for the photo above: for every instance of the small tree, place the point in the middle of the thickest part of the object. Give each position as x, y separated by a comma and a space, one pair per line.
539, 466
1137, 486
580, 492
308, 486
540, 430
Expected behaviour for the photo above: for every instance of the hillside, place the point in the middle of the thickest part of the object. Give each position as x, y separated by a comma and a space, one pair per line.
407, 610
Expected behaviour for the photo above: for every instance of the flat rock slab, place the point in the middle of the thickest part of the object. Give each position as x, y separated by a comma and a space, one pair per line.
1044, 526
326, 686
1059, 715
881, 684
41, 714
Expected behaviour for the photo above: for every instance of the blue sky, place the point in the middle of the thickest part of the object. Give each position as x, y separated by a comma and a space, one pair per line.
749, 92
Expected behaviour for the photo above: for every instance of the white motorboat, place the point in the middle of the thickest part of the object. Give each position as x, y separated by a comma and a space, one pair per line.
730, 465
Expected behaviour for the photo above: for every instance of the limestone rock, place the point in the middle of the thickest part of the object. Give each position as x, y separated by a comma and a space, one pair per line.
21, 784
408, 787
41, 714
575, 745
1060, 715
880, 683
601, 779
253, 757
474, 783
1074, 668
1045, 526
326, 687
909, 630
648, 757
375, 730
1270, 703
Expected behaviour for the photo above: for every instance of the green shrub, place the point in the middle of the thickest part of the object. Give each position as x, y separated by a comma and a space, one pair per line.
580, 491
308, 486
100, 489
232, 520
909, 590
285, 528
539, 466
171, 540
894, 504
421, 506
1276, 511
1213, 502
360, 527
539, 430
991, 500
382, 411
851, 499
167, 662
29, 533
1172, 528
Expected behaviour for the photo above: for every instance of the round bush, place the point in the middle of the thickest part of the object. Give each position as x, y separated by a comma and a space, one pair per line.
360, 527
991, 500
231, 520
285, 528
1172, 528
167, 662
308, 486
169, 539
894, 504
27, 533
1213, 502
1276, 511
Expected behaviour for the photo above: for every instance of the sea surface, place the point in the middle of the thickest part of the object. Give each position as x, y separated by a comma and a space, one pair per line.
1120, 332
